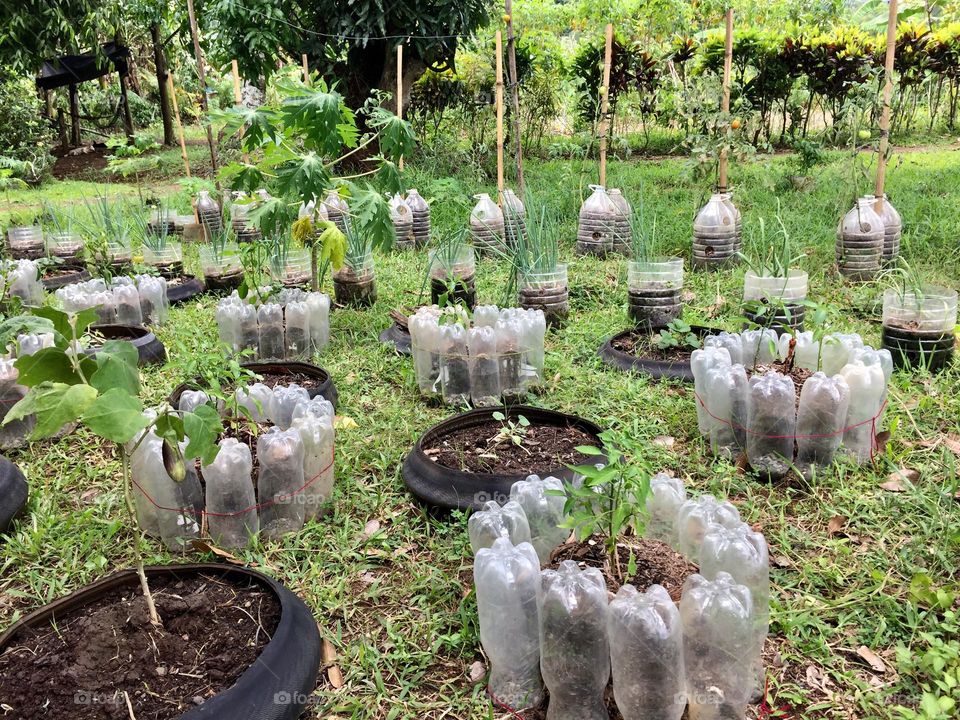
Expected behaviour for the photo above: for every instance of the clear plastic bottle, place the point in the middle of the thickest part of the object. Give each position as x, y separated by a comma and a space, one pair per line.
316, 432
280, 454
700, 362
249, 328
285, 400
190, 400
317, 406
142, 456
484, 366
666, 496
727, 390
270, 320
493, 522
486, 224
718, 645
402, 218
508, 332
646, 654
318, 309
622, 226
154, 304
730, 341
533, 337
297, 330
454, 364
514, 218
771, 424
208, 211
485, 315
507, 581
574, 651
231, 501
338, 212
824, 402
227, 316
425, 348
695, 516
598, 220
868, 386
543, 507
178, 505
421, 217
760, 347
256, 402
127, 303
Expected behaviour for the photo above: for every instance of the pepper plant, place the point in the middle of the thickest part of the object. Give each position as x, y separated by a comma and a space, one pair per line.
101, 392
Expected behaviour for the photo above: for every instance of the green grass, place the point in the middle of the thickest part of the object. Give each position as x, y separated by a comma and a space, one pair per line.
398, 605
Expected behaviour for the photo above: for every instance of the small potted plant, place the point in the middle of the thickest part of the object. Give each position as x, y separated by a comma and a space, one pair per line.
354, 283
220, 261
542, 278
774, 291
452, 269
654, 282
25, 242
918, 323
290, 266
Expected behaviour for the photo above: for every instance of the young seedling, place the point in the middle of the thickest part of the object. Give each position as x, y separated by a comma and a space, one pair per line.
677, 335
510, 433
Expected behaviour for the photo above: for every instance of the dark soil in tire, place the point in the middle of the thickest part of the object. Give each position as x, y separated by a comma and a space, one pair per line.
182, 288
315, 380
634, 350
353, 294
63, 276
213, 630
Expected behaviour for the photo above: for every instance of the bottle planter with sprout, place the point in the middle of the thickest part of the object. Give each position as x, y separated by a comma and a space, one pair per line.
918, 323
354, 283
240, 209
65, 262
164, 255
654, 283
289, 265
102, 394
25, 242
542, 278
452, 270
108, 232
774, 292
220, 261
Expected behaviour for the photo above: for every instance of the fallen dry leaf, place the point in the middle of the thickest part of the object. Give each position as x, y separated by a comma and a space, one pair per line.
883, 437
896, 479
836, 524
344, 422
781, 561
892, 486
664, 441
205, 546
688, 296
477, 672
329, 662
873, 660
369, 529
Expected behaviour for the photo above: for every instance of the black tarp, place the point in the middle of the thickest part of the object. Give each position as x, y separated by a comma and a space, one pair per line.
72, 69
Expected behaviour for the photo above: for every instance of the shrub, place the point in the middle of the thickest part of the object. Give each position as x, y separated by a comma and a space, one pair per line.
25, 136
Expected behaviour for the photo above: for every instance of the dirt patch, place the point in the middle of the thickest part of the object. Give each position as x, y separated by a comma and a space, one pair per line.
79, 165
487, 449
643, 345
79, 670
307, 382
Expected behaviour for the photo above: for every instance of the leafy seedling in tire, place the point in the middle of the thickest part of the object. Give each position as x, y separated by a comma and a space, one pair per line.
677, 335
102, 393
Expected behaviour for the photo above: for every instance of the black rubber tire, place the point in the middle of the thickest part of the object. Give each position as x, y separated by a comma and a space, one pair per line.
148, 345
275, 687
397, 337
325, 388
910, 350
58, 281
187, 290
448, 489
222, 283
13, 492
656, 369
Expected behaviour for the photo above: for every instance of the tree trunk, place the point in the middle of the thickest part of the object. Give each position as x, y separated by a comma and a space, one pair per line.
160, 61
125, 103
74, 117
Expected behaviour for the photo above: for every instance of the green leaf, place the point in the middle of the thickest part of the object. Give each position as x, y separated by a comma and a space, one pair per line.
22, 324
117, 368
305, 176
54, 405
46, 365
202, 428
316, 116
169, 426
61, 320
115, 415
588, 450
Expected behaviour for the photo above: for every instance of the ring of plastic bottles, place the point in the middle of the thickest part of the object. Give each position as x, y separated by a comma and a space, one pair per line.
289, 325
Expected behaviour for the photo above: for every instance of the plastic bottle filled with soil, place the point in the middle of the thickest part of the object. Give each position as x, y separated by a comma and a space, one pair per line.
227, 317
821, 415
285, 401
484, 366
452, 275
918, 326
653, 291
544, 512
141, 456
867, 385
316, 433
508, 333
775, 302
154, 304
574, 651
255, 402
666, 496
598, 222
25, 242
716, 239
421, 217
622, 224
337, 210
296, 330
646, 654
166, 260
402, 218
280, 455
178, 505
190, 400
860, 238
742, 553
127, 301
533, 332
695, 516
548, 292
507, 581
514, 218
67, 246
249, 328
892, 228
106, 306
209, 214
727, 390
494, 522
354, 284
425, 348
771, 424
718, 644
486, 225
270, 321
454, 364
231, 502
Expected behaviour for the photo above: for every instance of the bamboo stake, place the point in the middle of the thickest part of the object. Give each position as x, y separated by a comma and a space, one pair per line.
176, 117
202, 75
887, 97
400, 91
725, 103
306, 69
499, 101
238, 99
605, 102
514, 92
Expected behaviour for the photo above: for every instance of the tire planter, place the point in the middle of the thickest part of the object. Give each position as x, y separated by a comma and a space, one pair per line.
397, 337
56, 282
656, 369
13, 493
223, 283
286, 668
324, 388
149, 347
449, 489
189, 287
918, 349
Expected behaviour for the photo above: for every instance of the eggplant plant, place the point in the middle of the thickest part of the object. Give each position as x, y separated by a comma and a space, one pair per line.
101, 392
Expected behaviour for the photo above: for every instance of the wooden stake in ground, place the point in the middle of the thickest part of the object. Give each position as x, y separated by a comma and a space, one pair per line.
605, 103
176, 117
202, 75
514, 92
887, 98
725, 103
499, 101
238, 97
306, 69
400, 91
